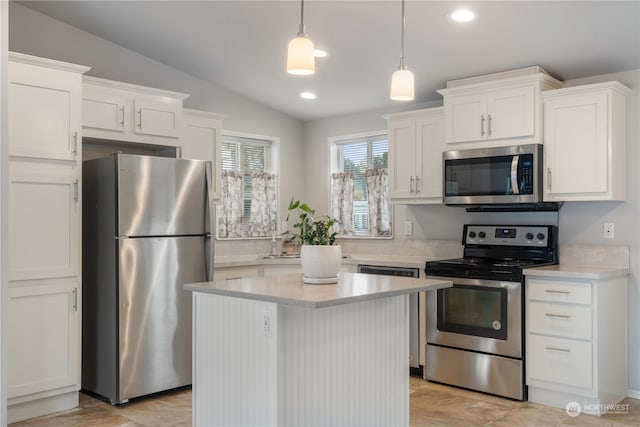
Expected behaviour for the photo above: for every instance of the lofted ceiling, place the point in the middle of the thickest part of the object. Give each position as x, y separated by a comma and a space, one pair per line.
241, 45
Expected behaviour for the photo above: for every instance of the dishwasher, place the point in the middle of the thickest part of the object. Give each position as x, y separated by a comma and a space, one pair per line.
414, 310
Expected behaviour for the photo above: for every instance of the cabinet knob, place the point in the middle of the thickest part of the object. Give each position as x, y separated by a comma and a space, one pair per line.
482, 125
489, 124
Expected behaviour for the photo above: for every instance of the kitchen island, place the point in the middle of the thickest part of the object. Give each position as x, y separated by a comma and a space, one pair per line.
275, 351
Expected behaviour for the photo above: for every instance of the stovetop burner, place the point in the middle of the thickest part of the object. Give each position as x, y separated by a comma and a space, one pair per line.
499, 252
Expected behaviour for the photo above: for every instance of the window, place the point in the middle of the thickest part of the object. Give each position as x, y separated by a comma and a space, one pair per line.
360, 157
248, 203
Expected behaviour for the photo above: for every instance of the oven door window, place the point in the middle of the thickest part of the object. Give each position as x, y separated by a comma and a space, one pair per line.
473, 310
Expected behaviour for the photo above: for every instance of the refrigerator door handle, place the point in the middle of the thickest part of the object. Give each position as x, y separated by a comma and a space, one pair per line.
209, 235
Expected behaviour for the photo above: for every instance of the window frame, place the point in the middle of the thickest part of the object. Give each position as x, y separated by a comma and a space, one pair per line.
334, 142
272, 165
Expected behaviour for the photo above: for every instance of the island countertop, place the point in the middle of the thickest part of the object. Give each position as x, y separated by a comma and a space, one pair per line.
289, 289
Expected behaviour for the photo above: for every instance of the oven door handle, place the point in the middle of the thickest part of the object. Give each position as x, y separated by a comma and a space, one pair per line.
514, 174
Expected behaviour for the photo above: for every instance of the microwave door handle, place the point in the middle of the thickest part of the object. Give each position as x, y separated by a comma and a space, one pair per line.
514, 174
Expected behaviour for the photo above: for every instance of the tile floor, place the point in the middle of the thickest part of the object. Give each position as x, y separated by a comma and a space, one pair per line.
431, 405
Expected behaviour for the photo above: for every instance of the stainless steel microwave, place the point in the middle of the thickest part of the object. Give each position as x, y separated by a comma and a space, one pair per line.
502, 175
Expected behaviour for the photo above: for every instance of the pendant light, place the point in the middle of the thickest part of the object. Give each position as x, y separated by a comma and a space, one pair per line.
402, 79
300, 57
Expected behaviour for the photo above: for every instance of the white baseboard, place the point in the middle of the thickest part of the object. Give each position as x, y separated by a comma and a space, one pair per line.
633, 393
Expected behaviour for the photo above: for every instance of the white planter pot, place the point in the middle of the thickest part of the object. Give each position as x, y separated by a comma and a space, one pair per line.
320, 264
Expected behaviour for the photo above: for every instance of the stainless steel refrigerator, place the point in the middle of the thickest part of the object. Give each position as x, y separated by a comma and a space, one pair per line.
146, 232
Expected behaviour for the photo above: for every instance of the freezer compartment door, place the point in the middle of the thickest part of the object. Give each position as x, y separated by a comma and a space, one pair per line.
160, 196
155, 312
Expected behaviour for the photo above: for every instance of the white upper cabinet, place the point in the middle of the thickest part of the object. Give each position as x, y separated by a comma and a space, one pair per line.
201, 140
415, 156
124, 112
585, 142
44, 108
497, 109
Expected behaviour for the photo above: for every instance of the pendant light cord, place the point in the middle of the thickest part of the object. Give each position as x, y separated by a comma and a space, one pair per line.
301, 28
402, 39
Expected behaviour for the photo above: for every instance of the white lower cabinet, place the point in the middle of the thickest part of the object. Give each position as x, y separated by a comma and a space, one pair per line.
225, 273
279, 269
576, 341
43, 344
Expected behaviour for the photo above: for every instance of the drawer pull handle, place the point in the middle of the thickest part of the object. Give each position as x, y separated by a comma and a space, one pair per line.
564, 316
555, 291
566, 350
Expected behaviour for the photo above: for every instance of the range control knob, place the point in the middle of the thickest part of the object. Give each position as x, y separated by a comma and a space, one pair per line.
540, 236
482, 235
472, 234
529, 236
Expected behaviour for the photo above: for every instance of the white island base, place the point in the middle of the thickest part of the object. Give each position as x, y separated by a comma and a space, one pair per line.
266, 358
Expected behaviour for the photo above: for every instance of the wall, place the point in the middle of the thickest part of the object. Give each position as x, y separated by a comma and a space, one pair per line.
579, 222
36, 34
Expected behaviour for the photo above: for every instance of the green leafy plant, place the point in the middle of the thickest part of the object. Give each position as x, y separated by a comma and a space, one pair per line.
309, 230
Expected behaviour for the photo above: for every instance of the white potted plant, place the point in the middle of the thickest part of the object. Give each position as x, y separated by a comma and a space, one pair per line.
320, 257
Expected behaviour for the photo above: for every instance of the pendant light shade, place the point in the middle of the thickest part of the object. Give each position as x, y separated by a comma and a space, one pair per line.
402, 85
300, 58
402, 79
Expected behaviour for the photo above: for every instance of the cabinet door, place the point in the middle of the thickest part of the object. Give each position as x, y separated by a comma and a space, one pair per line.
43, 338
201, 141
464, 118
44, 112
510, 113
430, 141
402, 158
576, 146
104, 111
158, 118
277, 270
235, 273
43, 226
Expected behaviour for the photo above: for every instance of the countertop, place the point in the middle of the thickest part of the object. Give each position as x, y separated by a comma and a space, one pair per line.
289, 289
355, 259
576, 272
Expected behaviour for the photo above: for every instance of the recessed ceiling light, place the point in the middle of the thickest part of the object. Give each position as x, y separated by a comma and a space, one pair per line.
308, 95
463, 15
319, 53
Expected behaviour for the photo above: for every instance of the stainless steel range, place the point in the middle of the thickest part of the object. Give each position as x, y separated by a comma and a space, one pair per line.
475, 335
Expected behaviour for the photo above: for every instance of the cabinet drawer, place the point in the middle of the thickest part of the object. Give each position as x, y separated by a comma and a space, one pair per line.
559, 291
563, 320
557, 360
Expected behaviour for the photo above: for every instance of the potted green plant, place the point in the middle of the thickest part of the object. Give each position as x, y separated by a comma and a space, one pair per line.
320, 257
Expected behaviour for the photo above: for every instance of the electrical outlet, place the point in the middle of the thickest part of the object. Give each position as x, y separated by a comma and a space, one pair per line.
267, 320
609, 230
408, 228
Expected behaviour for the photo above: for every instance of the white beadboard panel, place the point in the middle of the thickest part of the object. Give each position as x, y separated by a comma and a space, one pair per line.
346, 365
235, 362
343, 365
